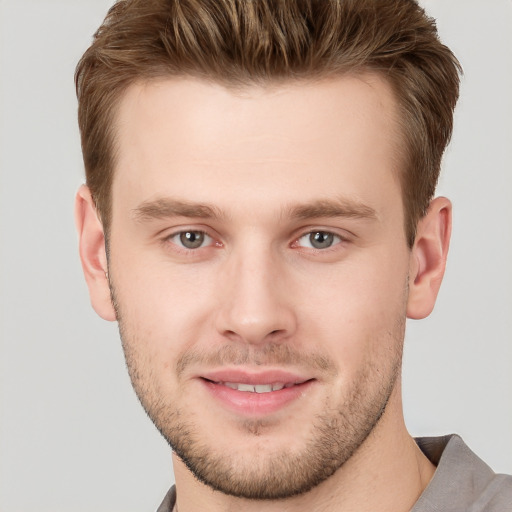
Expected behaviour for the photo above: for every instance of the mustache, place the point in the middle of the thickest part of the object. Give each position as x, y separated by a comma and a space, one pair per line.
270, 354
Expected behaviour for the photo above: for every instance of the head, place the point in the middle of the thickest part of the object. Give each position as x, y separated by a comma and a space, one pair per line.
263, 173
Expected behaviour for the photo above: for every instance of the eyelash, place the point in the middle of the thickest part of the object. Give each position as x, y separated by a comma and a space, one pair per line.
337, 240
173, 239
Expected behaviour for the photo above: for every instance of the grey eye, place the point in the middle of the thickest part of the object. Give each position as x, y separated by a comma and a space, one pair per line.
192, 239
321, 239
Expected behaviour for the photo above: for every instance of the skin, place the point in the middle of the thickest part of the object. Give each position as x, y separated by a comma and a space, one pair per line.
273, 165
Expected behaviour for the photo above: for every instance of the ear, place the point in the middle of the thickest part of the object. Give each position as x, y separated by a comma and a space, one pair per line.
93, 254
428, 258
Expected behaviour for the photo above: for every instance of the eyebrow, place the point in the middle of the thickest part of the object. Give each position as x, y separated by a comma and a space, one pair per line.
163, 208
342, 207
167, 207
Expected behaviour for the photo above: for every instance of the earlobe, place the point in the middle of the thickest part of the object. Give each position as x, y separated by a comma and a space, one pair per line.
428, 258
92, 253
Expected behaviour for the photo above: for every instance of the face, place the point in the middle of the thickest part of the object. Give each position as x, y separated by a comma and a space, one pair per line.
259, 268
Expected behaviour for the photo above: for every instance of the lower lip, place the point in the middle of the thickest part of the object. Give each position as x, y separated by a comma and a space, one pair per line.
256, 404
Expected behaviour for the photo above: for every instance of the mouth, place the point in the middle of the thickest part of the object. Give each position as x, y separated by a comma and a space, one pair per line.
256, 388
260, 394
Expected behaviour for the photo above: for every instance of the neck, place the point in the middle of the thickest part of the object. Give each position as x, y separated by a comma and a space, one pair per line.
387, 473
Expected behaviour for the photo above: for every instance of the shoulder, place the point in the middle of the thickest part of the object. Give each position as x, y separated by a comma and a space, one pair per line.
462, 481
170, 499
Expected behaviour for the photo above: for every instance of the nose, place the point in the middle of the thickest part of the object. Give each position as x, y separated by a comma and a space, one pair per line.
255, 305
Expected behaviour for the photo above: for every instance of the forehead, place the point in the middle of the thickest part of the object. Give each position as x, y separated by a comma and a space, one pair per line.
184, 136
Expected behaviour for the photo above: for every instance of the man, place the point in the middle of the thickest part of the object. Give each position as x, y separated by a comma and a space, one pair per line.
259, 219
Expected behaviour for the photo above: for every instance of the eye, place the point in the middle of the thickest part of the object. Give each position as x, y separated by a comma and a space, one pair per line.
191, 239
319, 240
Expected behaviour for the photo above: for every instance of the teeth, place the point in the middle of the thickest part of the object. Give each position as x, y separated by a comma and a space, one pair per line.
263, 388
246, 387
257, 388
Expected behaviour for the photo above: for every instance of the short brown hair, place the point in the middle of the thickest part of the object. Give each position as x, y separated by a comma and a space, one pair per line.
244, 42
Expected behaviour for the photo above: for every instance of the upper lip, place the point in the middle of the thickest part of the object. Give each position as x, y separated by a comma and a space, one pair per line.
251, 377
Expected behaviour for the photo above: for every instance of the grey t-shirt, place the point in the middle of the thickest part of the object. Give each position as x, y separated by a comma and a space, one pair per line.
462, 482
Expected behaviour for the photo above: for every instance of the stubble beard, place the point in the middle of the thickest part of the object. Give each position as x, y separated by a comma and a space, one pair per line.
334, 437
335, 434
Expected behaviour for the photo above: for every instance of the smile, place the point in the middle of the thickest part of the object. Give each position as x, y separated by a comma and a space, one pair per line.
257, 388
253, 395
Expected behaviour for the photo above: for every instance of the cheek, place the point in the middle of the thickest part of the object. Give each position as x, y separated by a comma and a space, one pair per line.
359, 313
163, 308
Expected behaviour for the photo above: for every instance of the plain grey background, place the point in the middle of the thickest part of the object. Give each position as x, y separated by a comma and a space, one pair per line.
72, 434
